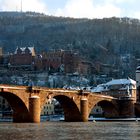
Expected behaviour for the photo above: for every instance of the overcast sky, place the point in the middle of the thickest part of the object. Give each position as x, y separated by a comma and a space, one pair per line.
76, 8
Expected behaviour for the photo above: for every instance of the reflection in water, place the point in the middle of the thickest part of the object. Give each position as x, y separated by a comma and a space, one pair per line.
70, 131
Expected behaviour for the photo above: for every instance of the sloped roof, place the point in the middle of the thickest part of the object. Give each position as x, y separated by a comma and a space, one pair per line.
138, 69
99, 88
121, 81
32, 50
105, 87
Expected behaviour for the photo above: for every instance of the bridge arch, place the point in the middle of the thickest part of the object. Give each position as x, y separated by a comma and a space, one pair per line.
70, 108
71, 111
110, 109
20, 110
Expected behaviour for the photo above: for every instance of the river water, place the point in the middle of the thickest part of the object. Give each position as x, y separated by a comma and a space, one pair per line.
70, 131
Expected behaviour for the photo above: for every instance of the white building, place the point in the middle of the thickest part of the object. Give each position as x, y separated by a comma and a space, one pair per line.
4, 106
118, 88
97, 111
48, 108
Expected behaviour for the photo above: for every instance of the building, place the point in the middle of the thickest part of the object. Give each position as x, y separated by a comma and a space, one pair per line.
122, 89
52, 60
138, 82
4, 107
38, 63
1, 57
23, 59
48, 108
85, 68
118, 88
65, 61
1, 51
71, 61
97, 111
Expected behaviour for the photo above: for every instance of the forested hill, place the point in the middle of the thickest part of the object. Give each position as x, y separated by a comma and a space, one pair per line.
95, 39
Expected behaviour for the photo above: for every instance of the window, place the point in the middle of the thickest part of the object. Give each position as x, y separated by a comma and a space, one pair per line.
97, 110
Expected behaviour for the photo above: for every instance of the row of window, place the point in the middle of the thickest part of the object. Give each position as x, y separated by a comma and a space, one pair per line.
49, 107
48, 113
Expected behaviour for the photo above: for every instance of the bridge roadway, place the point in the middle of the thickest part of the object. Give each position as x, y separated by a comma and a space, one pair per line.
27, 103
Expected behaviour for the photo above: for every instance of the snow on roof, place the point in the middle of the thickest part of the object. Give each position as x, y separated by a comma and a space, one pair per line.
138, 69
99, 88
121, 81
105, 87
31, 49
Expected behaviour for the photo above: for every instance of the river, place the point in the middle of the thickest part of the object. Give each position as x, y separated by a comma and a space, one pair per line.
70, 131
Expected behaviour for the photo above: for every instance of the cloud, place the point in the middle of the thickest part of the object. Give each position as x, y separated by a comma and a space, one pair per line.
76, 8
27, 5
107, 10
119, 1
87, 8
136, 14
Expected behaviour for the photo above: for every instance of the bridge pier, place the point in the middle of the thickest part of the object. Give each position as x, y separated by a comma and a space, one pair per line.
84, 109
127, 108
34, 109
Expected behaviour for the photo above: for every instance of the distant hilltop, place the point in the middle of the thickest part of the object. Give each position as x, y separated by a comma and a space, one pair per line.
16, 14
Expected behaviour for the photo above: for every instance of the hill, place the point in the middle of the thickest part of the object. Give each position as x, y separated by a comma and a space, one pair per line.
111, 41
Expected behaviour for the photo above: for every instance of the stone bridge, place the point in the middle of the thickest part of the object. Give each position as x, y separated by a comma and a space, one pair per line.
27, 103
